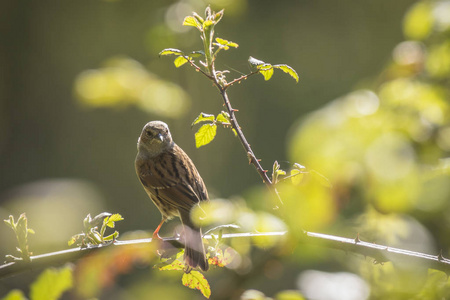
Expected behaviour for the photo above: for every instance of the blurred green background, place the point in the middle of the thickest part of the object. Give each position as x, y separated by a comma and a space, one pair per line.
80, 79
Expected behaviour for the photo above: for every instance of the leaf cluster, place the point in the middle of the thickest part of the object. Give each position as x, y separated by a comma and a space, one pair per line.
91, 235
50, 285
207, 132
21, 231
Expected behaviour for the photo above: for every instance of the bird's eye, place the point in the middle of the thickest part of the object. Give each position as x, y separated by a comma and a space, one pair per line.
149, 133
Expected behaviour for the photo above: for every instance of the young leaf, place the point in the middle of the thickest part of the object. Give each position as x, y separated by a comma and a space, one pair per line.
170, 51
192, 21
114, 218
198, 53
179, 61
255, 62
218, 16
223, 117
205, 134
289, 70
267, 72
111, 237
225, 44
51, 284
196, 281
202, 117
199, 19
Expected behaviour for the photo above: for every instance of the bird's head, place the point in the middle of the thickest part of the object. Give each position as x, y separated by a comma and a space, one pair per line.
155, 138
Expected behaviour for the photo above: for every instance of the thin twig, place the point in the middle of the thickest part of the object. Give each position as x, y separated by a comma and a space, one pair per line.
234, 123
239, 79
380, 253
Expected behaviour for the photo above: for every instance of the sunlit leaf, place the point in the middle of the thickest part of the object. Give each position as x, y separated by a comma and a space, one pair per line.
255, 62
205, 134
170, 51
196, 281
192, 21
179, 61
51, 284
208, 24
266, 72
15, 295
202, 117
289, 70
72, 240
223, 117
114, 218
176, 265
218, 16
225, 44
199, 19
111, 237
198, 53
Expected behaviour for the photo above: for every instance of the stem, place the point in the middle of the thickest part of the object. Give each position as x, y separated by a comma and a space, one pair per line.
251, 156
380, 253
243, 77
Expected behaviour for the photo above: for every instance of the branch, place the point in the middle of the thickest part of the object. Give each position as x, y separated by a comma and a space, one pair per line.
380, 253
239, 79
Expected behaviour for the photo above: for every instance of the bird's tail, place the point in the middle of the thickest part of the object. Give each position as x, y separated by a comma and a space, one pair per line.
194, 252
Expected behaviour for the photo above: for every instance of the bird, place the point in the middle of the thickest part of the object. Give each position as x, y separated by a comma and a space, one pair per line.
175, 186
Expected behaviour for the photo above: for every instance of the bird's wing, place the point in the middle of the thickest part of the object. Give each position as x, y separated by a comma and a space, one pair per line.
173, 179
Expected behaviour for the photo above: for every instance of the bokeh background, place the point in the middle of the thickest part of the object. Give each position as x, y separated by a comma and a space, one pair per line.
369, 119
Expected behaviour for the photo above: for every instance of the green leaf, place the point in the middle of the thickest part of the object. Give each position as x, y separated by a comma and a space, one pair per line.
192, 21
10, 222
72, 240
266, 72
111, 237
176, 265
114, 218
51, 284
202, 117
196, 281
225, 44
223, 117
289, 70
218, 16
15, 295
170, 51
205, 134
199, 19
179, 61
255, 62
198, 53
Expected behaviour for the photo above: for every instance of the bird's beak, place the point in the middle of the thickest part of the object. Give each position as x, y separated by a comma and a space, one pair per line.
159, 137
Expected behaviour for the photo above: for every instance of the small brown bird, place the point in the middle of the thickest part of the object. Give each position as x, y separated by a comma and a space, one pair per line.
172, 181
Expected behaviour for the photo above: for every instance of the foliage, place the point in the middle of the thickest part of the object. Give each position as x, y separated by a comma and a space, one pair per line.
123, 82
384, 148
205, 26
21, 231
49, 285
91, 235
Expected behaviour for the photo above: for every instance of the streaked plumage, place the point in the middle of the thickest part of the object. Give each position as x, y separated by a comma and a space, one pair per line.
172, 181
